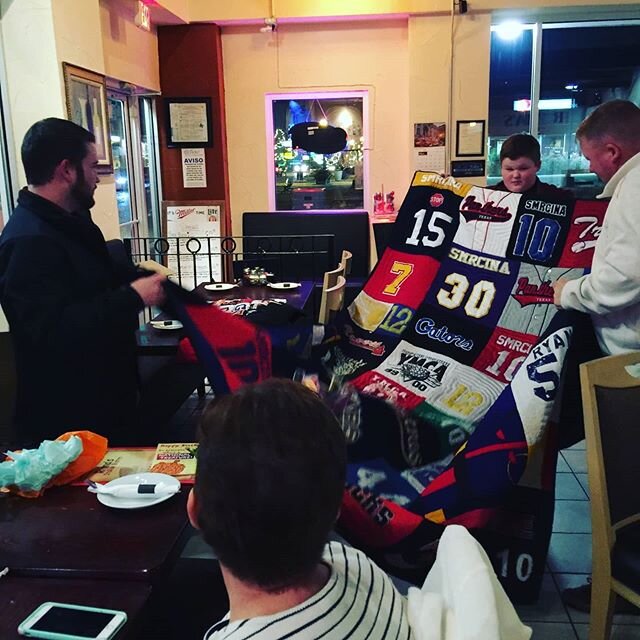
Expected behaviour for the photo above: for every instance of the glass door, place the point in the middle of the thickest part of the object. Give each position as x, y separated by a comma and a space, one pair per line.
150, 164
134, 142
122, 163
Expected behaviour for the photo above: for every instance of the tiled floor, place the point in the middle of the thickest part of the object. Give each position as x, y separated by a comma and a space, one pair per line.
569, 560
568, 563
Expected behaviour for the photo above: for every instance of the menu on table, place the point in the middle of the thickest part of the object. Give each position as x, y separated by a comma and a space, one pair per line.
173, 458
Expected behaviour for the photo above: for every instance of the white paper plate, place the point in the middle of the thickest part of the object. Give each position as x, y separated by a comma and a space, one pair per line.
220, 286
161, 324
284, 285
137, 478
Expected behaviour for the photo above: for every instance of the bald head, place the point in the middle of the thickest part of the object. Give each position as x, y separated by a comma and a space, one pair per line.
609, 136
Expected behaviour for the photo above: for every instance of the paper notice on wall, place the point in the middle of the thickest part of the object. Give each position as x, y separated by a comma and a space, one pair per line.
429, 139
198, 256
194, 168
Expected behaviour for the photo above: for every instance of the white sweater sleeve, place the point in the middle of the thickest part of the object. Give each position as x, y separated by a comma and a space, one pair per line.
614, 282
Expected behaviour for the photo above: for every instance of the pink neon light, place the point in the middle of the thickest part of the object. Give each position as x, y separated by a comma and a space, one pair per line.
271, 178
374, 17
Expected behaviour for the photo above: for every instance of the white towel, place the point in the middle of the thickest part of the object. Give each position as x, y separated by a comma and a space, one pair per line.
461, 598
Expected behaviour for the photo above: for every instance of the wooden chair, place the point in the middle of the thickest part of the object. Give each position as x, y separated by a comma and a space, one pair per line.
345, 261
332, 300
331, 277
611, 401
329, 281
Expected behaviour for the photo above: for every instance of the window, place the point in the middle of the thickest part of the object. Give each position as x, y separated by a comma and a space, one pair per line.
303, 180
581, 65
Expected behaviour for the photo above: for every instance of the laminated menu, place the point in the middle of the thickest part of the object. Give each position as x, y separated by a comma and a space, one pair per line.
175, 459
122, 462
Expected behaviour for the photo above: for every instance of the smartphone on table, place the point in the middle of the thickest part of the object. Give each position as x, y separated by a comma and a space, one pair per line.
59, 621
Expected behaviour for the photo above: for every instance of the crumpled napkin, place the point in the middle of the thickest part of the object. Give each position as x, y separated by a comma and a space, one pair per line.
30, 470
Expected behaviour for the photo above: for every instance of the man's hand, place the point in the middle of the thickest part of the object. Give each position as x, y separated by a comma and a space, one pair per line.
558, 286
150, 289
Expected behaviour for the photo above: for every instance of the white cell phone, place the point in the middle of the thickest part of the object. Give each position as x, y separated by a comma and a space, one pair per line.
60, 621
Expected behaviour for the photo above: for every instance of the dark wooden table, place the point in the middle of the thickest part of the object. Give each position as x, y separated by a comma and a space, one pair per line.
295, 297
20, 596
67, 533
162, 342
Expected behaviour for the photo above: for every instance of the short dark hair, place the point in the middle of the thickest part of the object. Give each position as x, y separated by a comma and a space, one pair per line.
270, 479
619, 119
50, 141
520, 145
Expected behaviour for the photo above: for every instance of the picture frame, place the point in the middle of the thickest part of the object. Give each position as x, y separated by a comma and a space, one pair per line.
470, 138
86, 101
188, 122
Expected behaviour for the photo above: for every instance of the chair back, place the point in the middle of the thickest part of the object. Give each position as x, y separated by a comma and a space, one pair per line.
345, 262
332, 299
611, 401
331, 277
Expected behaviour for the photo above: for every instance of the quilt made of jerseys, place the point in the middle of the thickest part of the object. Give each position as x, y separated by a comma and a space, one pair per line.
457, 329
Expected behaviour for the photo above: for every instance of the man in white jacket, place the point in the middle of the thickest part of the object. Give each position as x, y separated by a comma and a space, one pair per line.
610, 139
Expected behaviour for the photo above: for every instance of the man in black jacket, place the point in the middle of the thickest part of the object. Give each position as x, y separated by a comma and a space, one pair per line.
72, 316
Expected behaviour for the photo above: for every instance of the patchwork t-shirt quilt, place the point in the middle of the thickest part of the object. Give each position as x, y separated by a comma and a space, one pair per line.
456, 327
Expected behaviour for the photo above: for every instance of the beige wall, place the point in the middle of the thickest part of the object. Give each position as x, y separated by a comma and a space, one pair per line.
130, 53
372, 56
38, 35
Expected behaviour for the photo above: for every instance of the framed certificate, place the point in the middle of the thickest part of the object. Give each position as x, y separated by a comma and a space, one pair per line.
470, 138
188, 122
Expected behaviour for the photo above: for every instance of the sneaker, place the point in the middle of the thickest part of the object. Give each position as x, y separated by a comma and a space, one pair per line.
579, 598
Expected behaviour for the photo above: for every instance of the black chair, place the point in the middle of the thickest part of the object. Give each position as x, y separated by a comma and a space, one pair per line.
350, 231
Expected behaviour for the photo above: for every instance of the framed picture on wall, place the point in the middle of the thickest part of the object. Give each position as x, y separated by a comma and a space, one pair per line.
470, 138
188, 122
86, 98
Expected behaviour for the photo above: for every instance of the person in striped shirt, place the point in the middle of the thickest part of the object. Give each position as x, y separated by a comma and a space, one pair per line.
269, 483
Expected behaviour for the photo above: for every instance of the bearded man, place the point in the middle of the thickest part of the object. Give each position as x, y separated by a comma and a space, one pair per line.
72, 314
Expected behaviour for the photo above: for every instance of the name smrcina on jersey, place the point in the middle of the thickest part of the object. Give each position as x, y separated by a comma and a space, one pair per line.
547, 208
435, 180
497, 265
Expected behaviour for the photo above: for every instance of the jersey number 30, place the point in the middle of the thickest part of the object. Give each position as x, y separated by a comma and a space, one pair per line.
479, 301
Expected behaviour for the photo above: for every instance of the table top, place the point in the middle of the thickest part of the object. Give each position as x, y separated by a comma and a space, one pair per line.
68, 533
152, 341
295, 297
20, 596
